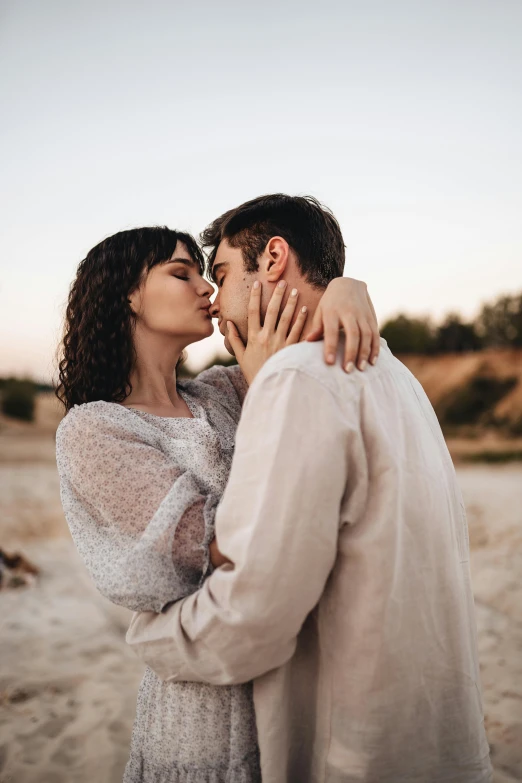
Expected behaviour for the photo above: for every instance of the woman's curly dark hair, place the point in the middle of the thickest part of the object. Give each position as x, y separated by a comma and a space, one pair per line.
97, 351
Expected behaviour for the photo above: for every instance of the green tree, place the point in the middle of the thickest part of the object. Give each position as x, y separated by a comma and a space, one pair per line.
18, 399
408, 335
500, 324
455, 336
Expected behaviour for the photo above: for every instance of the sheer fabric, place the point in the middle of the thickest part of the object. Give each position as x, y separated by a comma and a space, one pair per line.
139, 494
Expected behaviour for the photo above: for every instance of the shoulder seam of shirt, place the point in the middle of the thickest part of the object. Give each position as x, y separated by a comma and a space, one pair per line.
376, 371
304, 371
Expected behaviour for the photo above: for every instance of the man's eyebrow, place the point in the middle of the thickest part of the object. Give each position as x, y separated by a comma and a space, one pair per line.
215, 267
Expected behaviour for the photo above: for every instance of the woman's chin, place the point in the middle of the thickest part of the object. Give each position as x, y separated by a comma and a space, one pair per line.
206, 331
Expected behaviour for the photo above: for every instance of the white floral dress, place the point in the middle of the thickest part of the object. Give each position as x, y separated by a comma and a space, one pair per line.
139, 493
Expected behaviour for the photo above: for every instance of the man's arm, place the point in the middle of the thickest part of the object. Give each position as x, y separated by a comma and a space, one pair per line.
278, 523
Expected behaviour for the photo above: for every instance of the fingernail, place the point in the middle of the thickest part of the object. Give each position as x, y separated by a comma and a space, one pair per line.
349, 367
373, 360
281, 284
293, 292
363, 365
304, 309
229, 324
330, 358
256, 284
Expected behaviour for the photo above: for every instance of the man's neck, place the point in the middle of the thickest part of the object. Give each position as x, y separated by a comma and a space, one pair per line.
309, 298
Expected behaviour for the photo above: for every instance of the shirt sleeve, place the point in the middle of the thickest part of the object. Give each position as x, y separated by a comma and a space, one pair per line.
141, 524
278, 523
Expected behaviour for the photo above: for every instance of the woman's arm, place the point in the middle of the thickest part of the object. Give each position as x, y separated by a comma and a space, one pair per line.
142, 525
346, 306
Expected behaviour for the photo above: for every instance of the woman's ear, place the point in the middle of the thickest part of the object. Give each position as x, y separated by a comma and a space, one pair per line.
276, 258
134, 300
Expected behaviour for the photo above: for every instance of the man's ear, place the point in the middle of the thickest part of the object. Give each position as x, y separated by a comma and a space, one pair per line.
275, 258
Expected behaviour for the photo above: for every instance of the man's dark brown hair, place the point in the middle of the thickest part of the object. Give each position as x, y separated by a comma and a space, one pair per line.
310, 229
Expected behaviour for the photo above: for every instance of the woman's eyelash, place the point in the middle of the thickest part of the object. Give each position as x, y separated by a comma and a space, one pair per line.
181, 278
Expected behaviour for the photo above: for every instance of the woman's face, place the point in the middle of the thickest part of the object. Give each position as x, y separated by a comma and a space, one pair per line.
174, 298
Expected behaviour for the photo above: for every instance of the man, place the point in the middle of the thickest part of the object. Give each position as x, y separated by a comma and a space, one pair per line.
348, 597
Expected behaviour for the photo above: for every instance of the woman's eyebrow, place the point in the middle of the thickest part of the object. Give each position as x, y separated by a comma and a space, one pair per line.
185, 261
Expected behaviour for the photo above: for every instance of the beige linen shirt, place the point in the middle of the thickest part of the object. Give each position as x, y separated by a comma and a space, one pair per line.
349, 599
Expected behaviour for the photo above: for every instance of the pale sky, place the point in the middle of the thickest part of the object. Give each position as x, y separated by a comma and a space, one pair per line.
404, 117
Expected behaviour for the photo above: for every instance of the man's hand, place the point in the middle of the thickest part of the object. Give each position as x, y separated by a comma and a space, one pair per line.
216, 558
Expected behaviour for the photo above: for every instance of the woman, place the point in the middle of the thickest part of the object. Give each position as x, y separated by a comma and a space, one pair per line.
143, 460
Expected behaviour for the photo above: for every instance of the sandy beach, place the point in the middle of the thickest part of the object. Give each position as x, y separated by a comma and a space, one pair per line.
68, 682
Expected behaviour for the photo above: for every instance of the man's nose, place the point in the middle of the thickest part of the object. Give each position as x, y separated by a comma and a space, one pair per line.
214, 309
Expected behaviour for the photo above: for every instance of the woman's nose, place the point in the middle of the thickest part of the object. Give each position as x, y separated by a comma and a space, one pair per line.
208, 289
205, 289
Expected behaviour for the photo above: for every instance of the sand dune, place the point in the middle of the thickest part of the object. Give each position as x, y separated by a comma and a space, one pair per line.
444, 373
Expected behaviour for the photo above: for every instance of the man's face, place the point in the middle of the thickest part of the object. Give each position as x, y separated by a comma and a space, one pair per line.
233, 284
